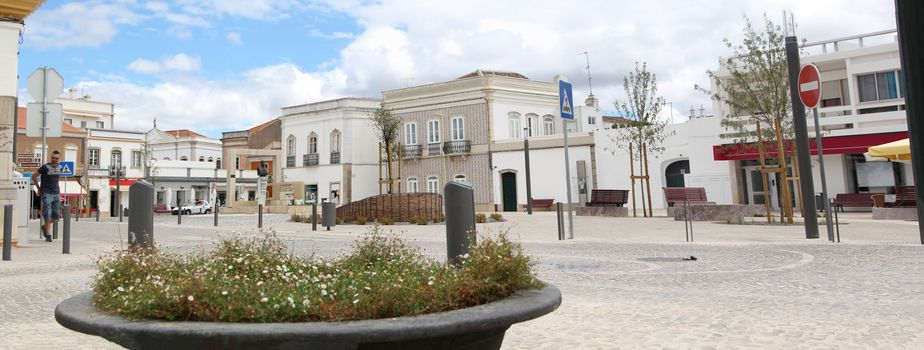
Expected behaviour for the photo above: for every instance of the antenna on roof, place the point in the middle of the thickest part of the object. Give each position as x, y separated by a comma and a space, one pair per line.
590, 85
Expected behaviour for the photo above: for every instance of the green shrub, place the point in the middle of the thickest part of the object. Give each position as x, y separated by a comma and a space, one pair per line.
295, 218
497, 217
307, 218
481, 218
361, 220
437, 219
337, 220
260, 280
420, 220
348, 219
385, 220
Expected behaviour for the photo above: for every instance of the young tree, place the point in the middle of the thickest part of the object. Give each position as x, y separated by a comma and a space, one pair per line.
755, 85
386, 127
645, 132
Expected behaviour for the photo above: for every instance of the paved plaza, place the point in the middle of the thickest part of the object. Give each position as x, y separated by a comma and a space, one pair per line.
753, 286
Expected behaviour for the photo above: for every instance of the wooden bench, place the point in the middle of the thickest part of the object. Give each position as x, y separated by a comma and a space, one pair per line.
542, 203
905, 196
681, 195
854, 200
608, 198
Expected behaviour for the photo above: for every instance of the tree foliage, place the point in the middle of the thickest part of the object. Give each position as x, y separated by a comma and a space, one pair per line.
642, 108
754, 83
386, 127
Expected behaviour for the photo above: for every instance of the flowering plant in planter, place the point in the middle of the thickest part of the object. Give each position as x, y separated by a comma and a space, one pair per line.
260, 280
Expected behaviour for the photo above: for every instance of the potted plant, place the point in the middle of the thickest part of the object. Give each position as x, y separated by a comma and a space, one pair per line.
254, 293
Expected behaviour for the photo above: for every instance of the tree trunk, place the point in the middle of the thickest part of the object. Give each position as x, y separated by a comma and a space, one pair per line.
388, 160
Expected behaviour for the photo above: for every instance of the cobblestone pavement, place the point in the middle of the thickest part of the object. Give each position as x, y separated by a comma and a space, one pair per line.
623, 286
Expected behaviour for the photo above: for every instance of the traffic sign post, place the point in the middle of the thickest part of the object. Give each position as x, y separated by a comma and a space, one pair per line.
810, 94
44, 85
566, 109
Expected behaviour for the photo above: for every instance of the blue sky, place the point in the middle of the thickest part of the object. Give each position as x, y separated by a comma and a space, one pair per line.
221, 65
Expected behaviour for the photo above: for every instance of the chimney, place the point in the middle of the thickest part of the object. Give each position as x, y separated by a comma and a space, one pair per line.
592, 101
70, 92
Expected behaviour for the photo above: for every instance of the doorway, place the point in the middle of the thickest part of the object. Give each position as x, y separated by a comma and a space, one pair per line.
673, 175
509, 191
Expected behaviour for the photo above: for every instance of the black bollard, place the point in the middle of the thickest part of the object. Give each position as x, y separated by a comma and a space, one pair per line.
121, 210
66, 234
179, 215
7, 232
216, 216
314, 216
561, 221
54, 229
260, 216
97, 214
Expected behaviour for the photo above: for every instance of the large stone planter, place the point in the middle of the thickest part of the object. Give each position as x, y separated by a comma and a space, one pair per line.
478, 327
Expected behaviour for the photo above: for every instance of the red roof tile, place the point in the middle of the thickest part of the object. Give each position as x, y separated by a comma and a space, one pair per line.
184, 133
260, 127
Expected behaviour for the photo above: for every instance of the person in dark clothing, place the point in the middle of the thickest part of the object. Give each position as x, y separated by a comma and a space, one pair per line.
47, 176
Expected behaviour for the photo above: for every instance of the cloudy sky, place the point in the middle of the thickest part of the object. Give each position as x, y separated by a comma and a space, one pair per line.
220, 65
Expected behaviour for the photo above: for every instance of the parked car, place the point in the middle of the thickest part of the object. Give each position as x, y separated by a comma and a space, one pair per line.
198, 207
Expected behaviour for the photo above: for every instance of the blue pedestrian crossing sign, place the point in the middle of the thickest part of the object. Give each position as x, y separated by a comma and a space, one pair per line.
67, 169
565, 100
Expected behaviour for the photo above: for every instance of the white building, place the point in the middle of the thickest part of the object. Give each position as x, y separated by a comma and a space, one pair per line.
107, 149
329, 147
184, 166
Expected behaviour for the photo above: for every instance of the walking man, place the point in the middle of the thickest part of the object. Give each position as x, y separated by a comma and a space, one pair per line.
47, 176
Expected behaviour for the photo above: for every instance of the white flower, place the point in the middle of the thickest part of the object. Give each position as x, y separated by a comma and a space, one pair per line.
190, 298
355, 301
224, 292
323, 286
323, 292
264, 300
429, 283
121, 289
259, 283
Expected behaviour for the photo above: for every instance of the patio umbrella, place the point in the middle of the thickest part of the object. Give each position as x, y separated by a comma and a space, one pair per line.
896, 150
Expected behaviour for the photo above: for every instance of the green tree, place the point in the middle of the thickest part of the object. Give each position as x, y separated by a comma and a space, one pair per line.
386, 127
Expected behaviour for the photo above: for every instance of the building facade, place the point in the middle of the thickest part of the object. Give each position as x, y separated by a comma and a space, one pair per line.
184, 166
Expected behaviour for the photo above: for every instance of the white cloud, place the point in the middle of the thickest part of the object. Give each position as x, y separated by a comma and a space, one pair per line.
251, 9
317, 33
177, 63
89, 24
234, 38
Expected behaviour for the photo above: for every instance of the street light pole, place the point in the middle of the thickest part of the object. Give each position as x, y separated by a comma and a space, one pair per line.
529, 187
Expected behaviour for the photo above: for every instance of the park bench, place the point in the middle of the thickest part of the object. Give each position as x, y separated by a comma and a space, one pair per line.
608, 198
161, 208
542, 203
681, 195
905, 196
854, 200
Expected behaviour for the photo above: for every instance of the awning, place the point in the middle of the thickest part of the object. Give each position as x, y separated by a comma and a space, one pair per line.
852, 144
896, 150
124, 183
68, 188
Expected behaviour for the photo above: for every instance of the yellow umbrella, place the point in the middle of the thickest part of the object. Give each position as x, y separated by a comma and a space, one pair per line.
897, 150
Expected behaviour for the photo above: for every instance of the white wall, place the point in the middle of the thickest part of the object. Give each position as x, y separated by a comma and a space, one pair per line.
547, 173
9, 57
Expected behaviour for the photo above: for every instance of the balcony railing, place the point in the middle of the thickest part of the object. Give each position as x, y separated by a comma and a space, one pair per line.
290, 161
433, 149
411, 151
310, 159
457, 147
335, 157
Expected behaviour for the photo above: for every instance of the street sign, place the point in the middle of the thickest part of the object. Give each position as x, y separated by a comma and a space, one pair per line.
809, 86
45, 84
34, 119
67, 168
565, 100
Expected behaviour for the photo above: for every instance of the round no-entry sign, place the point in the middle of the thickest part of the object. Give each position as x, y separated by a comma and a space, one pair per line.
809, 86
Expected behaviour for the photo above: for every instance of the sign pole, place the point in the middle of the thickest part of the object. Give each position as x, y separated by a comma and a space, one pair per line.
803, 156
564, 128
809, 91
824, 183
566, 109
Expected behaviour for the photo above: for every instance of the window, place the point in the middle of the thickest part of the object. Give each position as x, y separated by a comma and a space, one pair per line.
201, 158
532, 124
237, 163
69, 121
514, 124
548, 125
592, 120
433, 131
211, 159
93, 158
184, 158
218, 163
290, 146
881, 86
410, 134
412, 185
166, 158
100, 125
136, 159
335, 142
458, 129
70, 153
433, 184
83, 124
312, 143
116, 159
459, 178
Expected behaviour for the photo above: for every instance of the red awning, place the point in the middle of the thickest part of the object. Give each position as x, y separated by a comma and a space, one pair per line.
831, 145
122, 183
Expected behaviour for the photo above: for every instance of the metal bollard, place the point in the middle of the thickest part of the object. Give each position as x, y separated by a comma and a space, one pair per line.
179, 215
141, 216
7, 232
314, 216
121, 210
460, 220
837, 223
216, 216
260, 216
97, 214
561, 221
54, 229
66, 234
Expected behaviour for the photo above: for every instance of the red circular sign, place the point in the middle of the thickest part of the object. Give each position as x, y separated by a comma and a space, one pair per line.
809, 85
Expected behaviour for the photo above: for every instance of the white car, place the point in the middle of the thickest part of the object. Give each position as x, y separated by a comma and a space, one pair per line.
198, 207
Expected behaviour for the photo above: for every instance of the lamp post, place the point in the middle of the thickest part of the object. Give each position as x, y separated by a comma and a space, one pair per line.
529, 187
118, 172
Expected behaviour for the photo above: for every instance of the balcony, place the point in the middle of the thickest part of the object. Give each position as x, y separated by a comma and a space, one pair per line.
433, 149
335, 157
310, 159
457, 147
290, 161
411, 151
